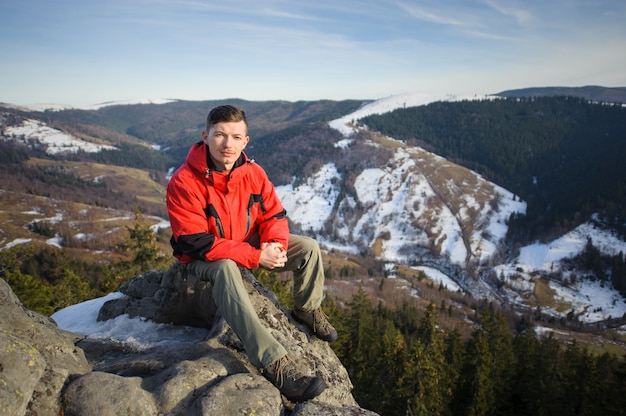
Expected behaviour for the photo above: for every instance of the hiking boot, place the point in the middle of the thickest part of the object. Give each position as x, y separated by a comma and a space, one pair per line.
317, 321
292, 384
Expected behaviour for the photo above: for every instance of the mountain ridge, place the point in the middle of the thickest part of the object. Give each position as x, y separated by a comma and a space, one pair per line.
435, 224
591, 92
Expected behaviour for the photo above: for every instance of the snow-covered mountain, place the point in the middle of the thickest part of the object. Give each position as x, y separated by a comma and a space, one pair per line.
60, 107
424, 211
55, 141
417, 200
420, 210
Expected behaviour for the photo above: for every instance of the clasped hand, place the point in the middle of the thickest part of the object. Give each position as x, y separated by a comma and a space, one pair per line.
273, 255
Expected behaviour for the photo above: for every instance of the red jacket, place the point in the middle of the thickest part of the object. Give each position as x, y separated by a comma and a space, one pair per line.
223, 215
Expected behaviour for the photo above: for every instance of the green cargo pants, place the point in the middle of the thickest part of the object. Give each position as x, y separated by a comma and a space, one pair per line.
304, 259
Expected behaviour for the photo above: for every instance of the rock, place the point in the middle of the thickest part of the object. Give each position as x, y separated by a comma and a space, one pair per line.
315, 409
175, 297
22, 367
241, 394
36, 359
44, 366
106, 394
165, 297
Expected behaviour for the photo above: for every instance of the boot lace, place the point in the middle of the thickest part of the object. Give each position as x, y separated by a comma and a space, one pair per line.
320, 320
286, 369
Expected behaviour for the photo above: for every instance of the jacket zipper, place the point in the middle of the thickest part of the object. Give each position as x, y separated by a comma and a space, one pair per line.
210, 211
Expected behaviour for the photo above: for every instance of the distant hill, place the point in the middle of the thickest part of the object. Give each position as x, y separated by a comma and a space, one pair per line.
432, 189
590, 92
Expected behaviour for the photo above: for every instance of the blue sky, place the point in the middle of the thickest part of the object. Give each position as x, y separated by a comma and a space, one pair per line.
82, 52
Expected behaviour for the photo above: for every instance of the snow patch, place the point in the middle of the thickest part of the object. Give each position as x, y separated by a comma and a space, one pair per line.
310, 204
55, 141
138, 333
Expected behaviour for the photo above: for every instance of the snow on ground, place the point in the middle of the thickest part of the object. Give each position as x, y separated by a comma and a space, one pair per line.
162, 223
372, 186
543, 331
55, 140
61, 107
439, 277
387, 104
393, 198
55, 241
508, 204
311, 203
544, 256
138, 333
592, 301
16, 242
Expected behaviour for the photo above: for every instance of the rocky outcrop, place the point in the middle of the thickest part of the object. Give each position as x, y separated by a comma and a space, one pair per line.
207, 377
36, 359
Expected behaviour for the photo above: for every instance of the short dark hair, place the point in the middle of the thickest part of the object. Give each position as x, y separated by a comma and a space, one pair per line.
225, 113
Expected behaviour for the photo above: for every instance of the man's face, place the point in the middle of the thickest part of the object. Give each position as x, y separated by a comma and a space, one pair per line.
226, 140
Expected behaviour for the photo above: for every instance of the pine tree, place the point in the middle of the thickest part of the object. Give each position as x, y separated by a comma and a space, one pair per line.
70, 290
572, 397
548, 376
526, 397
500, 342
455, 357
337, 319
432, 384
281, 288
34, 292
609, 388
359, 353
476, 394
391, 394
142, 243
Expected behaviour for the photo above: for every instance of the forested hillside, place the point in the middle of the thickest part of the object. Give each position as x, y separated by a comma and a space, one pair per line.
175, 126
402, 363
593, 93
562, 155
77, 225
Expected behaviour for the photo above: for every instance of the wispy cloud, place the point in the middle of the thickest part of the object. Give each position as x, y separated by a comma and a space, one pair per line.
428, 15
302, 49
507, 8
475, 22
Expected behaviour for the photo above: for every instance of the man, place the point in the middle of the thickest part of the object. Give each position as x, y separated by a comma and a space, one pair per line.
225, 214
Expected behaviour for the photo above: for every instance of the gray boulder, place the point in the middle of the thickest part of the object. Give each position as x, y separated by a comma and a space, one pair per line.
200, 381
36, 359
210, 376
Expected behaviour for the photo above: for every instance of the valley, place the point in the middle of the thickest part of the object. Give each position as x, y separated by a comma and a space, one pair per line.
392, 219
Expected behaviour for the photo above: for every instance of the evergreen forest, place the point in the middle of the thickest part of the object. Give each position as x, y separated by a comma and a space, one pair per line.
400, 361
563, 155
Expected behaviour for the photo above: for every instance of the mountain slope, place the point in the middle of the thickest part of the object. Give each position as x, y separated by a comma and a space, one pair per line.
367, 197
417, 206
562, 155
